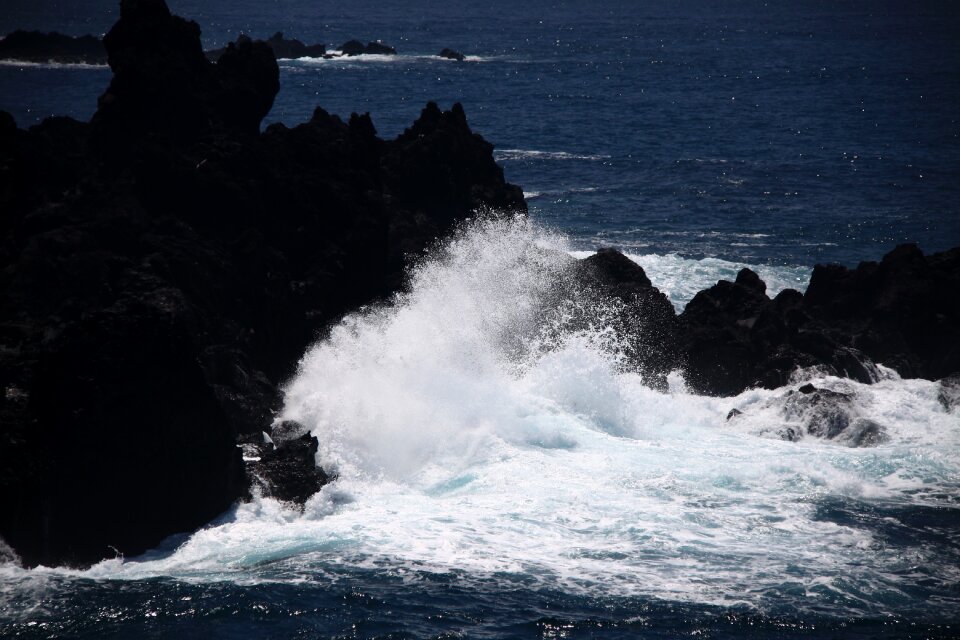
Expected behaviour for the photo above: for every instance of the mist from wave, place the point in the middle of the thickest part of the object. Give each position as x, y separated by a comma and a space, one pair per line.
473, 442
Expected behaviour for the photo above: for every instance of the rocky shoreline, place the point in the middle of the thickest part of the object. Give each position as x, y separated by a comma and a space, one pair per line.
164, 266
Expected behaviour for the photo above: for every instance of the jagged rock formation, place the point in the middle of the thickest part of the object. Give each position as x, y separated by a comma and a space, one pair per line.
34, 46
164, 266
900, 313
283, 48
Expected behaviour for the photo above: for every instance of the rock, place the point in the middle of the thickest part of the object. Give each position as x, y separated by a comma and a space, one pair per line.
450, 54
378, 48
283, 48
831, 415
34, 46
353, 48
737, 338
641, 313
733, 413
900, 312
949, 392
289, 471
357, 48
165, 266
164, 87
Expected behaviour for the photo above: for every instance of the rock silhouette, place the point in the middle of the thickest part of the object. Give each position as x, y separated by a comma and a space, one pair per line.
165, 265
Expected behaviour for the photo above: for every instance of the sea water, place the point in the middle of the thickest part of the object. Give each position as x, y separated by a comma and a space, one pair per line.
498, 477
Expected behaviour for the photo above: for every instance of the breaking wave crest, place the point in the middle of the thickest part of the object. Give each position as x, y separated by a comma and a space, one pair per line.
473, 438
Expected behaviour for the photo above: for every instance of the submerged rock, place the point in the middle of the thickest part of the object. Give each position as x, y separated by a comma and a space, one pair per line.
949, 392
34, 46
831, 415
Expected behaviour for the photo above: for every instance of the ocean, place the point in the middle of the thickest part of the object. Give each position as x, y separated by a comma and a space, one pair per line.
499, 481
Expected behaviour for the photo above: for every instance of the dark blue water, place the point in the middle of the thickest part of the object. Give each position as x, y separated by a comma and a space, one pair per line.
762, 133
818, 131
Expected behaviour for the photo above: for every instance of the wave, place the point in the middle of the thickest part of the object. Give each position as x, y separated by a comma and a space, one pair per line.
534, 154
52, 65
530, 195
469, 440
371, 58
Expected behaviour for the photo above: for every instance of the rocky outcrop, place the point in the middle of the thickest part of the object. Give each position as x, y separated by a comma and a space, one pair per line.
34, 46
283, 464
732, 336
640, 313
357, 48
283, 48
164, 266
450, 54
902, 311
736, 337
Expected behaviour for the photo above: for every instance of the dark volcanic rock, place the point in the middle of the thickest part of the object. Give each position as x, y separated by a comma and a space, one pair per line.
163, 86
642, 314
163, 268
357, 48
736, 337
903, 312
283, 48
450, 54
288, 471
34, 46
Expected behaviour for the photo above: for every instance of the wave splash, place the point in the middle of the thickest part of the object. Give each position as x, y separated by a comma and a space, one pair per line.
472, 437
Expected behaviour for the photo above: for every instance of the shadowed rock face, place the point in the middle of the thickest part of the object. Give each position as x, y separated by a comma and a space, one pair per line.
732, 336
903, 311
163, 268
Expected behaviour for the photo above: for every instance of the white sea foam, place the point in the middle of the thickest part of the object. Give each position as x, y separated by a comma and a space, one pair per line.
466, 441
51, 64
371, 58
536, 154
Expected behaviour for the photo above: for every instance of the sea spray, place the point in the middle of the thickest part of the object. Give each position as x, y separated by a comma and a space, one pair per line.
477, 443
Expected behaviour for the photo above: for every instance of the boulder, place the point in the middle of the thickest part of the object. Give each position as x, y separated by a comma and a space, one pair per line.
736, 337
830, 415
287, 468
639, 312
